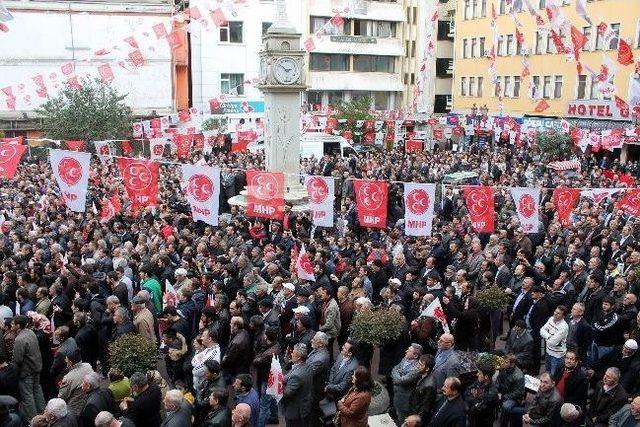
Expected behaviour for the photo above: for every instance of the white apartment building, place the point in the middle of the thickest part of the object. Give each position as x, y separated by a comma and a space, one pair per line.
44, 35
363, 58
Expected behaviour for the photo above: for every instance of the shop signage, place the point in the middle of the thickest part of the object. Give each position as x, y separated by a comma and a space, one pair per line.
596, 109
354, 39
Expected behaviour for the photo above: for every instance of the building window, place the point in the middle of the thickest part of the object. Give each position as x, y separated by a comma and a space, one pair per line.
587, 33
265, 27
314, 97
500, 46
516, 86
542, 4
463, 86
535, 87
473, 89
546, 87
413, 48
557, 88
497, 91
380, 100
335, 97
599, 40
371, 63
638, 36
480, 83
551, 48
483, 10
582, 87
593, 89
467, 9
481, 46
318, 23
231, 33
507, 86
614, 42
381, 29
413, 78
474, 48
503, 7
465, 48
539, 42
509, 44
232, 83
329, 62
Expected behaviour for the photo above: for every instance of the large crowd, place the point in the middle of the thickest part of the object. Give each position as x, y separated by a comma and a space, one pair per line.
72, 285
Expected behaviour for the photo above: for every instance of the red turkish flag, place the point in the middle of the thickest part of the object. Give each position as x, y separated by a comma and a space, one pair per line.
194, 12
13, 140
630, 203
126, 148
244, 138
265, 194
625, 54
337, 21
197, 141
621, 104
76, 145
438, 133
541, 106
131, 41
481, 208
578, 39
371, 202
413, 146
10, 155
183, 145
564, 200
218, 18
140, 178
110, 208
332, 124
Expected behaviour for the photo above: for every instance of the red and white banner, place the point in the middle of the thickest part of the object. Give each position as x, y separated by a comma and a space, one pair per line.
201, 186
630, 203
76, 145
110, 207
527, 201
156, 148
183, 145
304, 267
564, 201
71, 171
436, 311
413, 146
321, 191
140, 178
479, 201
265, 198
10, 155
419, 201
599, 194
243, 139
371, 202
103, 148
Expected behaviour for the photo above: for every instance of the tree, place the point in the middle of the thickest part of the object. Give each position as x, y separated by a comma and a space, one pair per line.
94, 112
354, 111
554, 145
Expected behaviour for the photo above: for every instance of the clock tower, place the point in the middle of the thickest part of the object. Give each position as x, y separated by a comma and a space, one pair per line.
282, 80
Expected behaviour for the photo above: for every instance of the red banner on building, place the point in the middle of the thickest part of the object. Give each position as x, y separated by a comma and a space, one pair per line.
481, 208
564, 200
371, 202
140, 178
265, 198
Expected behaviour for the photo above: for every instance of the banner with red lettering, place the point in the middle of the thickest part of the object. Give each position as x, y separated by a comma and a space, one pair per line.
630, 203
479, 201
419, 201
201, 186
564, 201
265, 198
321, 191
140, 178
10, 155
71, 171
413, 146
527, 201
371, 202
76, 145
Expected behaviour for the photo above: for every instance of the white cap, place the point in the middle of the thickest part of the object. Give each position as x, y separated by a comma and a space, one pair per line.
395, 281
301, 309
289, 286
631, 344
180, 272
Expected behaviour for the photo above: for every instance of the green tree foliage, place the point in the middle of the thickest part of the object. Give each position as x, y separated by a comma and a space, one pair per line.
94, 112
357, 109
376, 327
133, 353
554, 145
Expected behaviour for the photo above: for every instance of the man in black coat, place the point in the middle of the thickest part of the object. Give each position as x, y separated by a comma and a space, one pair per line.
98, 399
535, 319
609, 398
453, 411
522, 302
238, 355
571, 382
579, 335
144, 410
86, 338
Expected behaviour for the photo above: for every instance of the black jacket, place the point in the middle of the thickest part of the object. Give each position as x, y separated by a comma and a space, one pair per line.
605, 404
576, 386
98, 400
144, 411
87, 341
452, 413
423, 398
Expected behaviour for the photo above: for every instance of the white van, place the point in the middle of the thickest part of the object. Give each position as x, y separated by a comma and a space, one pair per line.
317, 144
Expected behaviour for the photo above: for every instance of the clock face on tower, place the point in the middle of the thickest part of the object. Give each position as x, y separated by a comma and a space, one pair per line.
286, 71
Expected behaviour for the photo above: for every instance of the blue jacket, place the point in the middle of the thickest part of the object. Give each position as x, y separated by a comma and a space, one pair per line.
253, 401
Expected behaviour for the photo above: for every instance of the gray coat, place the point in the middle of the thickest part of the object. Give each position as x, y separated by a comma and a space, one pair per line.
622, 416
339, 380
318, 362
332, 322
449, 367
71, 388
297, 394
179, 418
26, 353
405, 375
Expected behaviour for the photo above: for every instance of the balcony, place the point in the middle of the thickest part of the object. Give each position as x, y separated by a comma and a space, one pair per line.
444, 67
350, 80
373, 10
359, 45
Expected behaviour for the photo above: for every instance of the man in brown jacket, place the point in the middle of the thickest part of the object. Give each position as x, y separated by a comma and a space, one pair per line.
143, 319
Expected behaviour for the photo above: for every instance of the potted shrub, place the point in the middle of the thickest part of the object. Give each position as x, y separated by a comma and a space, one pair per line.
491, 301
132, 353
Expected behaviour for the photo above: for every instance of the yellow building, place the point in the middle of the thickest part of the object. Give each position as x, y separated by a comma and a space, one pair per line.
567, 93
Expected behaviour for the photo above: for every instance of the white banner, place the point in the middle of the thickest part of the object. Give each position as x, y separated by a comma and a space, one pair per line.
201, 186
599, 194
419, 201
71, 170
527, 201
156, 148
321, 191
103, 148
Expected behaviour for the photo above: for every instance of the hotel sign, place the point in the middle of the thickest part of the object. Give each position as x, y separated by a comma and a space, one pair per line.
354, 39
596, 109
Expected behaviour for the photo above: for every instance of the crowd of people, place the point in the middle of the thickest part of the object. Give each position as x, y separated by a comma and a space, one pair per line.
73, 285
